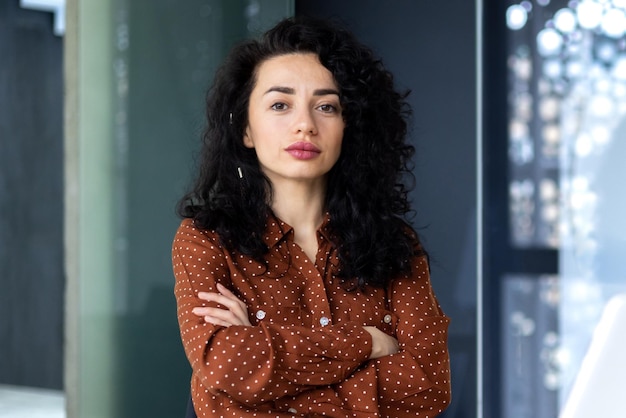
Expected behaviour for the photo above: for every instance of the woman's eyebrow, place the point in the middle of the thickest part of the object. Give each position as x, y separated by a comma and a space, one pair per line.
325, 92
279, 89
289, 90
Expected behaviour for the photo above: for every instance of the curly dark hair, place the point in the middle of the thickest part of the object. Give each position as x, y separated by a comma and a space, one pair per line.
367, 197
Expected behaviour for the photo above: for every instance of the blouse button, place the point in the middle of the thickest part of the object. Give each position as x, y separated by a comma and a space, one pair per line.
324, 321
260, 314
387, 319
292, 411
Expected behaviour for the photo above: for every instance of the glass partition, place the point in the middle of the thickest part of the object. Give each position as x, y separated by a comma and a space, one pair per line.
136, 76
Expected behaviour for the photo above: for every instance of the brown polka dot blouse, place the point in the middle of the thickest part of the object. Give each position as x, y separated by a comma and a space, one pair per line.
306, 353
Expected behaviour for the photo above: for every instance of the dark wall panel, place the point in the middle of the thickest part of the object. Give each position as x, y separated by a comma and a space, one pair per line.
430, 47
31, 199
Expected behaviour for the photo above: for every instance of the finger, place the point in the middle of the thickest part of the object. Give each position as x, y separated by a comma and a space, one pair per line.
216, 312
220, 316
202, 310
218, 298
225, 291
232, 304
224, 315
216, 321
221, 290
230, 295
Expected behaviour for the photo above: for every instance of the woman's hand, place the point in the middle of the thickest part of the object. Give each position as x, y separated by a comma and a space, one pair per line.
233, 312
382, 344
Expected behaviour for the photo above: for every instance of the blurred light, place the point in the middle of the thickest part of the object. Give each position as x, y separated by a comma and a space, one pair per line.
601, 135
584, 292
619, 68
550, 212
589, 14
527, 5
521, 150
551, 338
619, 91
574, 69
580, 183
619, 3
603, 85
548, 190
523, 67
597, 71
518, 130
549, 108
543, 2
551, 380
523, 325
552, 68
551, 133
544, 87
549, 42
606, 51
523, 103
562, 357
516, 17
601, 106
551, 296
565, 20
552, 141
559, 86
522, 189
573, 47
576, 36
614, 23
584, 146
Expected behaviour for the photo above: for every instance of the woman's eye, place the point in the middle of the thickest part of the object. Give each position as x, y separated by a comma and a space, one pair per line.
327, 108
279, 106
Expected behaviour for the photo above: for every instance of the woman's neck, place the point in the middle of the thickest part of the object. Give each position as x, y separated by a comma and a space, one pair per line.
301, 205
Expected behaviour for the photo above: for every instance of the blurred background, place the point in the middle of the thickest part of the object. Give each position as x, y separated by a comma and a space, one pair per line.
520, 130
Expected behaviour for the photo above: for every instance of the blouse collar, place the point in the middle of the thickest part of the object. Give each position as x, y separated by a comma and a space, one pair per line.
276, 229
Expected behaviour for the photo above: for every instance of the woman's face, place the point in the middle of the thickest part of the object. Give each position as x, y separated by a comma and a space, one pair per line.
295, 121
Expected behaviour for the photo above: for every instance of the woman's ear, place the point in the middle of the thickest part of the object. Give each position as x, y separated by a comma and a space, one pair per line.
247, 139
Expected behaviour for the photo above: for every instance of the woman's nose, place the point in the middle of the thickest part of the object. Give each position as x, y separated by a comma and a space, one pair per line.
305, 122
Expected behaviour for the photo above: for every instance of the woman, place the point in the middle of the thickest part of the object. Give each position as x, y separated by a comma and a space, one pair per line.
301, 290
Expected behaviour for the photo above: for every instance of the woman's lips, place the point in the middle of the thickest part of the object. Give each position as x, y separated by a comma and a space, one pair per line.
303, 150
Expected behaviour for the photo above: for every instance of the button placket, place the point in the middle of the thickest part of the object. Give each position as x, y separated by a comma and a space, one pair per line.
317, 286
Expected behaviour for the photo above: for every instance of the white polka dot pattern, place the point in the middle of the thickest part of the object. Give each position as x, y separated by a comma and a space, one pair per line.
306, 353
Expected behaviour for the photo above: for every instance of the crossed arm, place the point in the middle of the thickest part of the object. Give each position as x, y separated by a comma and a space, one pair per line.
233, 311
